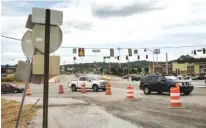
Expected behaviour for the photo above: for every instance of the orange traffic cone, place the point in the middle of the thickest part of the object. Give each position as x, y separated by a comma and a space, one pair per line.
28, 91
57, 80
175, 101
61, 89
108, 89
83, 88
130, 92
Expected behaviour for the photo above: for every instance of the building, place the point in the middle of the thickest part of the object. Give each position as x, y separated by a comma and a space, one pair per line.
8, 69
189, 68
161, 68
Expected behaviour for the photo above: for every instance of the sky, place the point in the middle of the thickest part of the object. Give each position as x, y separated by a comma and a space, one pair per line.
115, 24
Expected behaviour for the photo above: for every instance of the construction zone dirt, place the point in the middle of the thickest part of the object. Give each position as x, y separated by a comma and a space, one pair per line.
149, 114
9, 114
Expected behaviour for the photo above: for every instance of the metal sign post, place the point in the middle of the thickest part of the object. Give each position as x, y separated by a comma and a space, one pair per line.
46, 69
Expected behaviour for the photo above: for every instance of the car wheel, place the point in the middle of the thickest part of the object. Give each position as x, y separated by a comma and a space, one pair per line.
74, 88
15, 91
95, 88
146, 90
186, 93
159, 93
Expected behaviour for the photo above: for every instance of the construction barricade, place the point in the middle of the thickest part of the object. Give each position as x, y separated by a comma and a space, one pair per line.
61, 89
83, 90
130, 92
108, 89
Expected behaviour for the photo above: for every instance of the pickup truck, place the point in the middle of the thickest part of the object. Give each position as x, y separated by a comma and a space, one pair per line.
91, 83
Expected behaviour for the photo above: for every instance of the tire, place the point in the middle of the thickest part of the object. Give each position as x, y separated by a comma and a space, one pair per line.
74, 88
159, 93
95, 88
146, 90
186, 93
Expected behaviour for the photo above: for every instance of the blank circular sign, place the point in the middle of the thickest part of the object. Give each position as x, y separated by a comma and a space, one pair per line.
38, 37
26, 44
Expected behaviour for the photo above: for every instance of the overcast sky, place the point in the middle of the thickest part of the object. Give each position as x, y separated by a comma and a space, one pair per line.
112, 24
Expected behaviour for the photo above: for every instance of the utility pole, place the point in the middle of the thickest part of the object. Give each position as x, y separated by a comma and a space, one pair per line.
109, 65
153, 67
166, 64
119, 57
128, 65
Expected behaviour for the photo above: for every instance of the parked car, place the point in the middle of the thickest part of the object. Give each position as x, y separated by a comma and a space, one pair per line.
199, 77
135, 77
91, 83
126, 77
3, 74
12, 88
160, 83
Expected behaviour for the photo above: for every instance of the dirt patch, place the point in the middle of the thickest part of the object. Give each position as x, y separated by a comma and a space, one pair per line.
152, 114
9, 114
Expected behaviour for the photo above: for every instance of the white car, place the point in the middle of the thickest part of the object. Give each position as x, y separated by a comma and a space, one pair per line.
90, 83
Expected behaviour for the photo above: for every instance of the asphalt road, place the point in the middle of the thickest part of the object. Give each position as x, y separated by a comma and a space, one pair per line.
146, 111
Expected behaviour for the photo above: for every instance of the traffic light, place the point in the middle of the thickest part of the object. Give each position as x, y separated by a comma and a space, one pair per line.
127, 58
117, 57
135, 51
104, 57
146, 56
81, 52
74, 51
138, 57
203, 50
195, 52
112, 52
130, 52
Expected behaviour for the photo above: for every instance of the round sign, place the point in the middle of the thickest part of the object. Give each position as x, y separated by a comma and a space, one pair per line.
38, 37
74, 58
26, 44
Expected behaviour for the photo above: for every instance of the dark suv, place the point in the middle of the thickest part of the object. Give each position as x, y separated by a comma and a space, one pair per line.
160, 83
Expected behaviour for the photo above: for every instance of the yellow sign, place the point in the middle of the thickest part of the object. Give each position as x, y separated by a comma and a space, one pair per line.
81, 51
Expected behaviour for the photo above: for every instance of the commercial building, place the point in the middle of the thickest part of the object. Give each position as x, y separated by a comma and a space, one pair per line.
180, 68
161, 68
189, 68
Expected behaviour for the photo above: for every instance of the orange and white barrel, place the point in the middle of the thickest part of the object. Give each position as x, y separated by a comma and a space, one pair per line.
28, 91
108, 89
130, 92
175, 100
83, 85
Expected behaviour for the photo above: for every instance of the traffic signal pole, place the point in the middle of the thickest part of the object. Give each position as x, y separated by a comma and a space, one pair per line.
119, 58
153, 67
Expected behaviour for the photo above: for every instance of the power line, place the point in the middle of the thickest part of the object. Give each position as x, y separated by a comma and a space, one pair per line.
165, 47
10, 38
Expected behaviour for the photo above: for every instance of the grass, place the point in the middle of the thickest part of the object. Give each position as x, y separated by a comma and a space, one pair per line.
9, 114
11, 78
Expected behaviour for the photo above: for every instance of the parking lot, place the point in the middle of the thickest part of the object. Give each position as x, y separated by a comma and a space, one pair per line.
146, 111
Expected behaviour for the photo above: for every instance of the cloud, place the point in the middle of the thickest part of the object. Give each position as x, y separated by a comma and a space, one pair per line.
112, 24
134, 7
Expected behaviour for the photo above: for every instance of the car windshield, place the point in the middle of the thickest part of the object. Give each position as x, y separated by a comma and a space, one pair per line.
94, 78
171, 77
